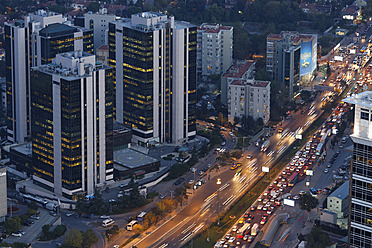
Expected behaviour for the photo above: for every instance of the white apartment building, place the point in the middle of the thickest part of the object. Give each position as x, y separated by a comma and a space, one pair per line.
214, 49
155, 69
338, 201
249, 98
98, 23
241, 69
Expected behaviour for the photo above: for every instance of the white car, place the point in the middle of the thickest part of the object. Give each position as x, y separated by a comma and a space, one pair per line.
234, 229
105, 217
191, 181
116, 246
17, 234
325, 170
69, 214
249, 156
35, 217
259, 207
231, 239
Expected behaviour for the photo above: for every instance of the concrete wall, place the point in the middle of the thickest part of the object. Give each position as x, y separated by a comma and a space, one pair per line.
3, 193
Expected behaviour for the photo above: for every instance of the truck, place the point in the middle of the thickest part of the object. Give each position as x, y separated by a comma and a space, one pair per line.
255, 229
265, 145
243, 228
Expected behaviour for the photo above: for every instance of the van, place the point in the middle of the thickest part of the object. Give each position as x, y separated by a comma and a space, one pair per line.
107, 222
131, 225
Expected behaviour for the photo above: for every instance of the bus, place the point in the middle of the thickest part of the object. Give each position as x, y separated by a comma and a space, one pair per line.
40, 202
293, 179
319, 149
243, 229
265, 145
107, 222
131, 224
324, 138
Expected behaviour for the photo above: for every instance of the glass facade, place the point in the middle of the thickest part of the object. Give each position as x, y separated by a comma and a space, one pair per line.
192, 80
361, 196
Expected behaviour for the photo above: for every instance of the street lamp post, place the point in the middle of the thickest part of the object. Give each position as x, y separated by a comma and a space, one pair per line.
218, 193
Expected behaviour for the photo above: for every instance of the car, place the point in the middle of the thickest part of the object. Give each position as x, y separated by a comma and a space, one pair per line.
301, 192
120, 195
262, 222
265, 201
250, 239
179, 181
35, 217
250, 217
241, 220
269, 211
116, 246
329, 165
17, 234
191, 181
69, 214
26, 223
259, 207
249, 156
259, 199
105, 217
325, 171
245, 237
122, 185
338, 152
253, 207
201, 173
295, 197
231, 239
22, 232
238, 242
234, 229
52, 213
264, 208
112, 200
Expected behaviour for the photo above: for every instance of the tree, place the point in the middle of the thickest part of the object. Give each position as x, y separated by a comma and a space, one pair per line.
305, 95
73, 238
12, 225
94, 7
317, 238
45, 230
138, 229
308, 202
89, 238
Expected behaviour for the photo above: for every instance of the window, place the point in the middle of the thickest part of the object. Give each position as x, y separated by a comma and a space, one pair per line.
364, 116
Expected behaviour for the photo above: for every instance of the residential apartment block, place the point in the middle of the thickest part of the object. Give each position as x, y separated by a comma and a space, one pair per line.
338, 201
249, 98
214, 49
360, 217
291, 58
154, 61
31, 42
241, 69
72, 123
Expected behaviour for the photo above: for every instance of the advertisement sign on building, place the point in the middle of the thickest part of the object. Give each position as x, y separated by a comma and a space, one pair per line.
289, 202
306, 58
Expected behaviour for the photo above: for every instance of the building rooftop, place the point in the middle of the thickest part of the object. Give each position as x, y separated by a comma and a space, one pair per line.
363, 99
103, 47
341, 192
250, 82
213, 27
120, 127
239, 68
57, 29
131, 159
295, 36
25, 148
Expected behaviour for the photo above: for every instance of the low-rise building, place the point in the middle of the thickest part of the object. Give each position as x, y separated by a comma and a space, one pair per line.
249, 98
338, 201
241, 69
102, 54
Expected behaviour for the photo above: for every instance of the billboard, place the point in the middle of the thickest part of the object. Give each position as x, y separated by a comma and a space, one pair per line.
308, 58
309, 173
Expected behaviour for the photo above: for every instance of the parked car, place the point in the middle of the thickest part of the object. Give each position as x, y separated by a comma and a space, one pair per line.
69, 214
35, 217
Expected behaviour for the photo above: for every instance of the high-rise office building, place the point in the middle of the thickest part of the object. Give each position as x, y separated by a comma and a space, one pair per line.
214, 49
98, 23
72, 123
154, 61
360, 217
31, 42
291, 58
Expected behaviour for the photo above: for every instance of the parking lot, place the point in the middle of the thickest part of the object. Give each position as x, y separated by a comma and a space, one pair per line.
34, 230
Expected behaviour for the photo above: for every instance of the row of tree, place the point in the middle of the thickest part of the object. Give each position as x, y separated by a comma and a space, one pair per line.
80, 239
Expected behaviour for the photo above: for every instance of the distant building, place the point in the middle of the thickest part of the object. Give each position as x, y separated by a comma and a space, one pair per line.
360, 217
21, 156
102, 54
338, 201
249, 98
72, 123
214, 48
122, 136
328, 217
3, 194
98, 23
241, 69
291, 58
154, 62
31, 42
